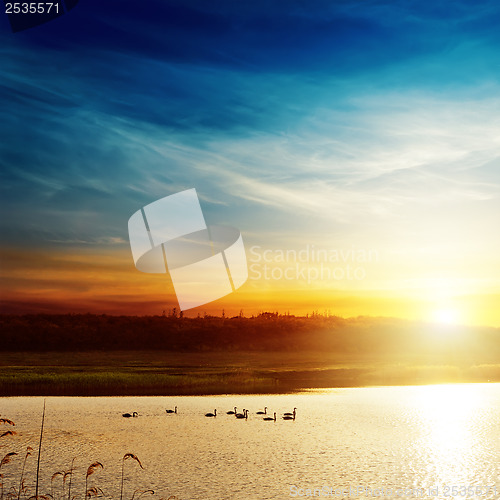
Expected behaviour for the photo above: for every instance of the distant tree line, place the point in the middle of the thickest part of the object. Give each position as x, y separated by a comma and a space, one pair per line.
378, 338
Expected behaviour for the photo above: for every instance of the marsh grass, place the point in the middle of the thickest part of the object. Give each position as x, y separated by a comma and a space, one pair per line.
62, 382
150, 373
22, 491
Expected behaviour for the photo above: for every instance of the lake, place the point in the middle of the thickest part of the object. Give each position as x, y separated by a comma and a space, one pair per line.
395, 442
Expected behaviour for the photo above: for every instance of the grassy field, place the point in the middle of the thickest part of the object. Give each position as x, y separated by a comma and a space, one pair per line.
90, 354
165, 373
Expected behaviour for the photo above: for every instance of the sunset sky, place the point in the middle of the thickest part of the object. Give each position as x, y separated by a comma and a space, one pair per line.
367, 131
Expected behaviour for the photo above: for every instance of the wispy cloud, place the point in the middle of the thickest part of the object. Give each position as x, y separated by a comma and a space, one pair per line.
375, 125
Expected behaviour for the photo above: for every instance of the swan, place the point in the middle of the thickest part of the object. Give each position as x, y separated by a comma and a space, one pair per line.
244, 415
270, 418
263, 412
128, 415
289, 417
214, 414
172, 411
290, 414
231, 412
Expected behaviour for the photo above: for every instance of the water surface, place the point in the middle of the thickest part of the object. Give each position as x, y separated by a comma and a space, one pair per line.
344, 442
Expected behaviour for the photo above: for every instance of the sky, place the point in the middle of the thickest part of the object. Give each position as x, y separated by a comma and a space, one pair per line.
363, 134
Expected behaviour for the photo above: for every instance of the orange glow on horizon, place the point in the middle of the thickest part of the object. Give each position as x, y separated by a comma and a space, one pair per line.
105, 281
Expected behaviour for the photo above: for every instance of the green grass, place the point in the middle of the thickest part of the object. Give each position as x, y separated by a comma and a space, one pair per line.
163, 373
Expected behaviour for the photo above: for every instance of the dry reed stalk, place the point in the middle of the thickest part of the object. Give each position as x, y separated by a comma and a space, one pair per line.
54, 476
39, 451
142, 492
95, 492
126, 457
7, 458
29, 449
70, 474
92, 468
8, 433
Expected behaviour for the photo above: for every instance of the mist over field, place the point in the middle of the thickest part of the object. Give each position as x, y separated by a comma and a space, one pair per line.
108, 355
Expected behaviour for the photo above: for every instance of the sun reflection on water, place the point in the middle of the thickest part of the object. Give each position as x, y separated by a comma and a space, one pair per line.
394, 438
451, 422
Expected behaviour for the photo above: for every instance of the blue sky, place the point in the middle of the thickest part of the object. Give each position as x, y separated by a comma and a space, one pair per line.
373, 123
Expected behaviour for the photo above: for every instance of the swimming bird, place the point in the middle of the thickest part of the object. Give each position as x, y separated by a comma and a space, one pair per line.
263, 412
172, 411
214, 414
290, 414
241, 415
270, 418
231, 412
128, 415
289, 417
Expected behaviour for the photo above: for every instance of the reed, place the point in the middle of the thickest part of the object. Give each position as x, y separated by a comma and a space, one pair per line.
5, 460
39, 450
142, 492
126, 457
29, 449
91, 491
92, 468
54, 476
70, 474
94, 491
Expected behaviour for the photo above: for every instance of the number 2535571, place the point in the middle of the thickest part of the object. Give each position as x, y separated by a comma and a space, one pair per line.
31, 8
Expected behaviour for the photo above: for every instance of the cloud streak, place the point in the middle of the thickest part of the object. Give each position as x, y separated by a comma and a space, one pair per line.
375, 126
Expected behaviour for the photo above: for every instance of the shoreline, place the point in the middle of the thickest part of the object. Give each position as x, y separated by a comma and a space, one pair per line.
232, 393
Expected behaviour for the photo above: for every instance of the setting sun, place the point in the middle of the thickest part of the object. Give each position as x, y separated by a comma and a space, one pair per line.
446, 316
